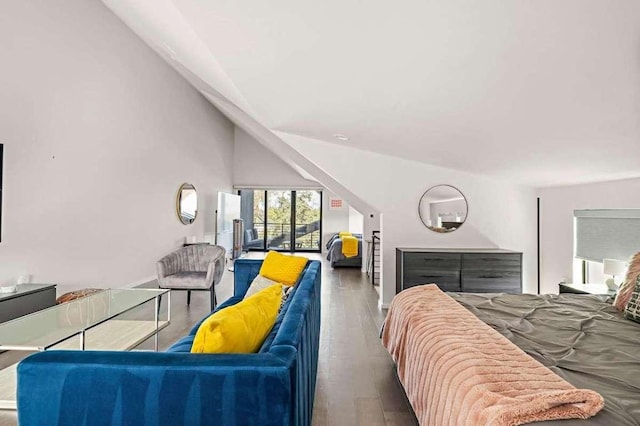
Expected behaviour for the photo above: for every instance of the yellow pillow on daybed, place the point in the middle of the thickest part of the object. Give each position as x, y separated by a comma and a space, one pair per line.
240, 328
282, 268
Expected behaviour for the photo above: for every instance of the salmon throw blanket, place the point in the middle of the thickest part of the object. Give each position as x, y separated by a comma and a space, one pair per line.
456, 370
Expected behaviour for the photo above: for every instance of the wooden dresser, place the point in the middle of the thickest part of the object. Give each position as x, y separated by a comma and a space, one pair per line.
465, 270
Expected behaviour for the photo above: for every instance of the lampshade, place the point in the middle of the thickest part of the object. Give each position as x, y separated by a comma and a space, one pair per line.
613, 267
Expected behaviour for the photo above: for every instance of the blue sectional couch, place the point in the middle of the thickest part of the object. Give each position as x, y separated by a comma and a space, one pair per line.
273, 387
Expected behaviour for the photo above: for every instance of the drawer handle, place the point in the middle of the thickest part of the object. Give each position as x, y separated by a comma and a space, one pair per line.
431, 276
491, 276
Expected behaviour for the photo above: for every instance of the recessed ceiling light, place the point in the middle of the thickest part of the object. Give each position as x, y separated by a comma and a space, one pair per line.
340, 137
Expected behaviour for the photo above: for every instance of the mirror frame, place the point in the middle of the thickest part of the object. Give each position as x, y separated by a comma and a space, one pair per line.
182, 187
420, 204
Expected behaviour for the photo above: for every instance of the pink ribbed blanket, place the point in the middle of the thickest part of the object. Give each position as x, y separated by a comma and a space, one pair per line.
456, 370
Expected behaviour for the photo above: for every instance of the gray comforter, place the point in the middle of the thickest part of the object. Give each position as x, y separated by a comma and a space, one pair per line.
581, 338
335, 256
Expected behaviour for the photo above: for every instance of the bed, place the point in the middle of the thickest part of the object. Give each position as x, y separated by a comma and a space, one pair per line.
581, 338
335, 256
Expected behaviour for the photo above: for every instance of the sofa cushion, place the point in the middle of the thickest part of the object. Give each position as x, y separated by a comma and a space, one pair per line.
266, 345
258, 284
188, 280
240, 328
229, 302
306, 291
268, 341
182, 345
283, 268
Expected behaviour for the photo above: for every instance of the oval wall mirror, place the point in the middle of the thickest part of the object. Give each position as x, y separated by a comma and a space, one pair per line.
187, 203
443, 208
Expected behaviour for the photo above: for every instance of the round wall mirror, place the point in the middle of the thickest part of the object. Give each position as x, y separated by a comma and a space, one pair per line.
187, 203
443, 208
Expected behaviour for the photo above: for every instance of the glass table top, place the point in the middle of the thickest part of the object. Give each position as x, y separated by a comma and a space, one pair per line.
43, 329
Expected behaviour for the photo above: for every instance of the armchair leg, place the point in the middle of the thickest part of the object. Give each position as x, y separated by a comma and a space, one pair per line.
214, 301
188, 297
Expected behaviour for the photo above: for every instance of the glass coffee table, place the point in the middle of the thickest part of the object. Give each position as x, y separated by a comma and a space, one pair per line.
113, 319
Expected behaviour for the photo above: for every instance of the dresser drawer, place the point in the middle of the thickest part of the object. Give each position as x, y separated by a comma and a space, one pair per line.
446, 280
439, 261
492, 282
442, 269
492, 262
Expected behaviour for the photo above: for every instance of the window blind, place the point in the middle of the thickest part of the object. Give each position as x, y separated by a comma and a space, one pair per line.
607, 234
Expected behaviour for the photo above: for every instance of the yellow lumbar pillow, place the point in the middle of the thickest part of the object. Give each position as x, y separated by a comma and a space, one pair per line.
282, 268
344, 234
240, 328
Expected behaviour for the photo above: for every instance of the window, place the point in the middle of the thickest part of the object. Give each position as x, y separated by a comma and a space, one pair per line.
604, 234
286, 220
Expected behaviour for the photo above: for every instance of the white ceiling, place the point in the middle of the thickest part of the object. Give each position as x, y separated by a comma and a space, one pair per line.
543, 92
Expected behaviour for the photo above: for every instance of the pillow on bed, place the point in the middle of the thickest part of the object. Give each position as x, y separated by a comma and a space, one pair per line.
632, 310
629, 284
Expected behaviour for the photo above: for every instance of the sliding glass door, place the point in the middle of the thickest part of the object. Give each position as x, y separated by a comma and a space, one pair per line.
285, 220
279, 220
308, 215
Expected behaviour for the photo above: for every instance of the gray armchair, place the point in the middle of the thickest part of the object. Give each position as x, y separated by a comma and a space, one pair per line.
251, 239
196, 267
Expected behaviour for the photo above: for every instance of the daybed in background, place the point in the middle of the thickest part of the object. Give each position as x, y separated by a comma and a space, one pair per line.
275, 386
335, 256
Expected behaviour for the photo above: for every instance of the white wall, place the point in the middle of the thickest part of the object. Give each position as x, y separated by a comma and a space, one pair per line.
500, 214
99, 132
333, 220
556, 222
255, 165
355, 221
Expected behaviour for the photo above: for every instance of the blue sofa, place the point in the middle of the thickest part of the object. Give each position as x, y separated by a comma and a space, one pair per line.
273, 387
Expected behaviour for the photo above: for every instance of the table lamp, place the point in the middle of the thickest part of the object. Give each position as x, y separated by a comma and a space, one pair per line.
613, 267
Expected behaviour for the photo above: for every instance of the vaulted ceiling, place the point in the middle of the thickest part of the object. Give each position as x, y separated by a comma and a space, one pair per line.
541, 92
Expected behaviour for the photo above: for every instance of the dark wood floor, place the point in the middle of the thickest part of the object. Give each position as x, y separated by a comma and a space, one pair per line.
356, 381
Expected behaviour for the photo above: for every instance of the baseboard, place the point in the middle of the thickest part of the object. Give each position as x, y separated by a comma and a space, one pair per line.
141, 281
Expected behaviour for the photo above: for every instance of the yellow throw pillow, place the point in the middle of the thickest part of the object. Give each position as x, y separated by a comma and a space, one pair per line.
282, 268
240, 328
344, 234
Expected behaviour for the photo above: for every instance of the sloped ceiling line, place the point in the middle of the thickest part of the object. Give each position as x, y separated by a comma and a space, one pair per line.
540, 94
161, 25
